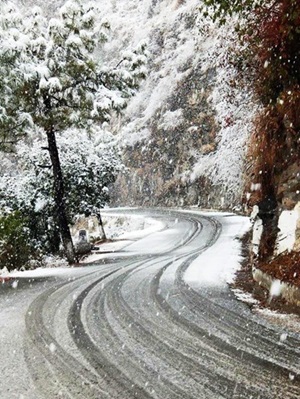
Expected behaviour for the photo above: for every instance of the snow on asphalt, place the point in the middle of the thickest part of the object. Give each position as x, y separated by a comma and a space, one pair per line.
218, 264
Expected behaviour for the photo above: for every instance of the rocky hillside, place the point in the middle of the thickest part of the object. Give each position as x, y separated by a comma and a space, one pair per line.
184, 135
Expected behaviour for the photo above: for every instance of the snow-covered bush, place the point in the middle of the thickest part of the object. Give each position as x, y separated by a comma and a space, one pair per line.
16, 245
90, 163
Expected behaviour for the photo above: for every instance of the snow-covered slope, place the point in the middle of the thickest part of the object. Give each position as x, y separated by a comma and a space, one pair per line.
184, 134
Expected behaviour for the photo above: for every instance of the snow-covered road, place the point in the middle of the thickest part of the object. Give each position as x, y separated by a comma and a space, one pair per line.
155, 320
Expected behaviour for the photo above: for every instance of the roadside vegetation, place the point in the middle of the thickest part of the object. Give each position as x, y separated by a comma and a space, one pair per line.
90, 164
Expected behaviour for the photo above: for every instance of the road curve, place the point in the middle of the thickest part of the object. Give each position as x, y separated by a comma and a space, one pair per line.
131, 327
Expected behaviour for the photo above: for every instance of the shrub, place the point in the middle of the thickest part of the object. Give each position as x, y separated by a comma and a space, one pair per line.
89, 164
16, 246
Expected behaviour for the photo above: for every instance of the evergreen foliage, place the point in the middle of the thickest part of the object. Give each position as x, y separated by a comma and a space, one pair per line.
50, 75
16, 245
220, 10
90, 165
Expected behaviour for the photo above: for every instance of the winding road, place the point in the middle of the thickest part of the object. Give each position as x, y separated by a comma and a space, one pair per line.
131, 326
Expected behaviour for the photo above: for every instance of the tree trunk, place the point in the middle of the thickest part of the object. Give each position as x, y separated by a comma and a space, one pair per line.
101, 228
59, 197
268, 213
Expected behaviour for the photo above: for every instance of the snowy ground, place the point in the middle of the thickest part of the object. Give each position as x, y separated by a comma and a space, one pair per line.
121, 230
132, 233
136, 234
147, 319
220, 262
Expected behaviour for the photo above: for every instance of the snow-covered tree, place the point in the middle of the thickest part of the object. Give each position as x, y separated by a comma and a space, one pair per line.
52, 77
89, 162
222, 9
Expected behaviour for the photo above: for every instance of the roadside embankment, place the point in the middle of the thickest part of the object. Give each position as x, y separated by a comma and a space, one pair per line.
276, 287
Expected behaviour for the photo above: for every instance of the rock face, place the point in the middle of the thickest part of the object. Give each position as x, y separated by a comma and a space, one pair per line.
297, 233
183, 127
281, 232
288, 193
289, 186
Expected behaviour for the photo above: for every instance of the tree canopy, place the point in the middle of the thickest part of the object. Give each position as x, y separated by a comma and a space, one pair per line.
222, 9
50, 74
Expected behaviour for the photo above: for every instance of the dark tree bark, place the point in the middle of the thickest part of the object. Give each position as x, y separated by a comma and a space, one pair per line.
103, 235
59, 197
269, 214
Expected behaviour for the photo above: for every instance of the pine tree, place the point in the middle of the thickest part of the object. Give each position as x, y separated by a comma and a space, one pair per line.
50, 78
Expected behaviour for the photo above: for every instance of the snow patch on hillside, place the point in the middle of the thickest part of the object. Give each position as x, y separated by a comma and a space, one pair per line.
235, 109
177, 47
287, 225
171, 45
